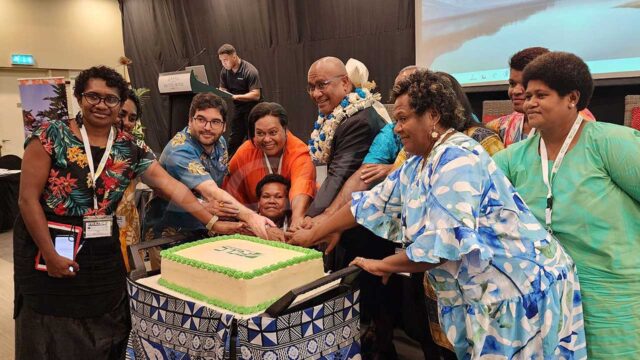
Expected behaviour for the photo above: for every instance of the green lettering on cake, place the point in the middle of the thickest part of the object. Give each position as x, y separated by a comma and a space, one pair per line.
238, 252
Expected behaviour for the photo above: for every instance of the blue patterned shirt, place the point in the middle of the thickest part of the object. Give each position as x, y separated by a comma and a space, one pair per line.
185, 160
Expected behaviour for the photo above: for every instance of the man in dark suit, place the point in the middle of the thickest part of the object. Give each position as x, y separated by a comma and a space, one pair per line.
343, 148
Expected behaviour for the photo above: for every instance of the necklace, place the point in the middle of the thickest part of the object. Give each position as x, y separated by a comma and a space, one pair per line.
320, 144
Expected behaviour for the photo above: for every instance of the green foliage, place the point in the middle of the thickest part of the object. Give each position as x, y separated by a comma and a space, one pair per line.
138, 129
58, 109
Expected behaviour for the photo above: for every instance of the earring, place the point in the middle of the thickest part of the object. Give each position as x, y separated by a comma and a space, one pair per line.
571, 105
434, 133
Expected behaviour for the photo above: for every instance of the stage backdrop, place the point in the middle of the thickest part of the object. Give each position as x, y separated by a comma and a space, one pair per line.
281, 38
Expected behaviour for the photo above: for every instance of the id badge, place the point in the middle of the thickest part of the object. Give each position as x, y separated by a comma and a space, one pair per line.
97, 226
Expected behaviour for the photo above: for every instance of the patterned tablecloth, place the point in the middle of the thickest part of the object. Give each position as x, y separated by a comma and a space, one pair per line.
166, 327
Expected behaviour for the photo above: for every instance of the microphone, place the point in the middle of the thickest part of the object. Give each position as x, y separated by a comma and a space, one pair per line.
193, 57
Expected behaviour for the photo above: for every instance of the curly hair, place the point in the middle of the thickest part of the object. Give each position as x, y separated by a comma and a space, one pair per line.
204, 101
131, 95
429, 91
469, 117
563, 72
523, 57
109, 75
272, 178
263, 109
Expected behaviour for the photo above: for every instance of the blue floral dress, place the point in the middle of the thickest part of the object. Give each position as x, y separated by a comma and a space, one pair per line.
507, 289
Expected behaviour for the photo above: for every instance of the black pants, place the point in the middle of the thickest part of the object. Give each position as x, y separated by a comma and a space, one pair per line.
239, 128
51, 337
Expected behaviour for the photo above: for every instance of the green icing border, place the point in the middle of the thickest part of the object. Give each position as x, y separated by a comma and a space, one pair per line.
243, 310
307, 254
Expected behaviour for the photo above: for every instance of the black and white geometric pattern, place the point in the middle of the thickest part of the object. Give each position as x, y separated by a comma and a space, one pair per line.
327, 331
164, 327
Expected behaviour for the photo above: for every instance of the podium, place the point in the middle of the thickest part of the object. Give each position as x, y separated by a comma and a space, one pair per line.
180, 87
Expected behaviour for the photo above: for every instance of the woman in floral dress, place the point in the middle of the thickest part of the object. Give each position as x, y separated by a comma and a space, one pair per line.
77, 308
506, 288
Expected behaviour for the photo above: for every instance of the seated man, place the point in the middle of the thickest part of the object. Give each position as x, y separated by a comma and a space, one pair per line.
272, 149
515, 126
197, 157
273, 203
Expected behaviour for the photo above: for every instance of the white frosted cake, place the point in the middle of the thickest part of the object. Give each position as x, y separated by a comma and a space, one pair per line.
242, 274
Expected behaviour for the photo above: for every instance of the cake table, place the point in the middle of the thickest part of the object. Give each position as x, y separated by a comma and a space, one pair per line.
170, 325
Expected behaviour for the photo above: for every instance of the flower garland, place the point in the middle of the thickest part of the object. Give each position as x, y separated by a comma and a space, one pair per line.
325, 127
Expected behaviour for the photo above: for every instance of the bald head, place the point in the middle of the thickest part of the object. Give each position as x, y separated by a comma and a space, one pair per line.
328, 83
405, 72
330, 64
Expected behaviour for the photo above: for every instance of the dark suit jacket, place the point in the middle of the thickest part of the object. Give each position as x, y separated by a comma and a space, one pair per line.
351, 143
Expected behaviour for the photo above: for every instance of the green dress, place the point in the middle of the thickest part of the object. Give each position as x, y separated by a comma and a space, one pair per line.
596, 217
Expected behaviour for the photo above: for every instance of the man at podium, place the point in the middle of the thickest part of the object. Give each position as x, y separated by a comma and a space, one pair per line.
240, 78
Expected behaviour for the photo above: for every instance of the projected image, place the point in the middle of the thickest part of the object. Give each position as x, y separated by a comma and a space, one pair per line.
473, 40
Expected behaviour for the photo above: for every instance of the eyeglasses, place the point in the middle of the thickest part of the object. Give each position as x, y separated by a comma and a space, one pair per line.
94, 99
202, 121
321, 85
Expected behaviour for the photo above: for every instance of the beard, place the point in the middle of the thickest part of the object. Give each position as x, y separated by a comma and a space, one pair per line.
207, 138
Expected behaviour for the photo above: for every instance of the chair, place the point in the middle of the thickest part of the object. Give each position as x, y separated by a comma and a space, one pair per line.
493, 109
11, 162
632, 111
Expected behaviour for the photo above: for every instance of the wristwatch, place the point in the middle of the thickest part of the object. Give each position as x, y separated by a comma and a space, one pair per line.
211, 222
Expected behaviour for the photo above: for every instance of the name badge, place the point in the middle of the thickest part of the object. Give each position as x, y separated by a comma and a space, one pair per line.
97, 226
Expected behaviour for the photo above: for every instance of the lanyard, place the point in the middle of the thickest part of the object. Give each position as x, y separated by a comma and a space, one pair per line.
548, 178
531, 132
95, 174
269, 164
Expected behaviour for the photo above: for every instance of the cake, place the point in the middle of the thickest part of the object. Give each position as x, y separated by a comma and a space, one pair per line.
242, 274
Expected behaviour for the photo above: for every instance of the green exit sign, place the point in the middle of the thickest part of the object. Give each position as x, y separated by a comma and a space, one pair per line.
22, 59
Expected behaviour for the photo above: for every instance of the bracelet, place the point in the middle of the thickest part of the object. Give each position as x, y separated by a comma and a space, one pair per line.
211, 222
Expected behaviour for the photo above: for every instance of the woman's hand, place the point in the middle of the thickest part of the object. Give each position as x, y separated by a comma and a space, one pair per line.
223, 209
58, 266
276, 234
331, 241
301, 237
296, 223
373, 267
375, 172
228, 227
258, 225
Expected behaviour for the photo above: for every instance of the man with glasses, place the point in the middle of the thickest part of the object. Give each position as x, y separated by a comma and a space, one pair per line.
197, 157
240, 78
330, 88
336, 90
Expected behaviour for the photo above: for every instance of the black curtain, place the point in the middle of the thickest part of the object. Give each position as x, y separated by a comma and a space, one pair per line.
280, 37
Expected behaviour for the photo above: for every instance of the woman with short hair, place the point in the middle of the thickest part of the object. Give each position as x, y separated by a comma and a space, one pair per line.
73, 176
506, 288
582, 179
272, 149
